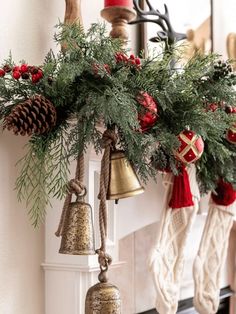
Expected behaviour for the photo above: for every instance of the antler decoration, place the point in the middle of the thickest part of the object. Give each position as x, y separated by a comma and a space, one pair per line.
167, 34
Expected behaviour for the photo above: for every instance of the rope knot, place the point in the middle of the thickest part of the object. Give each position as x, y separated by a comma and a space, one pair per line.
76, 187
104, 259
109, 138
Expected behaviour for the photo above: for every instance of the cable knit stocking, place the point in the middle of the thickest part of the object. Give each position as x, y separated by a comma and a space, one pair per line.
167, 258
212, 254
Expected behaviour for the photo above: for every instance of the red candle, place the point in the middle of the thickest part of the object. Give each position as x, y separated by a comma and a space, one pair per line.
120, 3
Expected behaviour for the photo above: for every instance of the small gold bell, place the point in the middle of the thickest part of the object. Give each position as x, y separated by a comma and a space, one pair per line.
103, 298
123, 179
78, 233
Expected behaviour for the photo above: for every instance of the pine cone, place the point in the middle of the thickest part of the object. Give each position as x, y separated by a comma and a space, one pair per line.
36, 115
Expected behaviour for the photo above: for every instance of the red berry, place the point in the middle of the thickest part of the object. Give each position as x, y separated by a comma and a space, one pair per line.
25, 76
137, 61
107, 68
24, 68
34, 70
2, 73
228, 109
7, 68
132, 62
40, 73
16, 68
16, 75
35, 78
132, 57
212, 107
95, 68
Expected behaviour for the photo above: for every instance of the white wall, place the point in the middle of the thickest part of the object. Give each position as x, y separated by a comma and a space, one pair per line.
26, 28
224, 23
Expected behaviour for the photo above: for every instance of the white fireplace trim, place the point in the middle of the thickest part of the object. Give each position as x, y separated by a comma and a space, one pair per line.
78, 268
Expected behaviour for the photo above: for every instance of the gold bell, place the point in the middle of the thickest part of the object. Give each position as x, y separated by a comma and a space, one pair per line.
123, 179
103, 298
78, 233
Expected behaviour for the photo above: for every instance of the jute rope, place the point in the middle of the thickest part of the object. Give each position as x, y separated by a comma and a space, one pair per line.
75, 186
109, 140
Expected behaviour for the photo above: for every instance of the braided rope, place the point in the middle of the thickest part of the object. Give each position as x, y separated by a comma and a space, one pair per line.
108, 141
75, 186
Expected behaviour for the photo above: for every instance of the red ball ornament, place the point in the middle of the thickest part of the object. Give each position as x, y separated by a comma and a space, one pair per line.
231, 134
16, 75
2, 73
191, 148
149, 114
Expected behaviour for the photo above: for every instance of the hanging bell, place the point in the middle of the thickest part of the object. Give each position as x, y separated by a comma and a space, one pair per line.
78, 232
103, 298
123, 179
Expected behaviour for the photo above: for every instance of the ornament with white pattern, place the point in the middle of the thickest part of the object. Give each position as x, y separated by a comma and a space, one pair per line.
191, 147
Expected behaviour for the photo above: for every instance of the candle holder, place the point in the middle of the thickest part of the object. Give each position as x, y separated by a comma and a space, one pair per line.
119, 17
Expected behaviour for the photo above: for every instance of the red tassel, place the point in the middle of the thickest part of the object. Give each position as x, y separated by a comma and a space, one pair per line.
225, 194
181, 194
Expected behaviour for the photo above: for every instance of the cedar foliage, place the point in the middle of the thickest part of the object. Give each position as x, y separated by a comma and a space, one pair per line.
89, 89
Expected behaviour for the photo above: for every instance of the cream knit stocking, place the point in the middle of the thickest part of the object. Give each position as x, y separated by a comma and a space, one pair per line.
167, 258
211, 257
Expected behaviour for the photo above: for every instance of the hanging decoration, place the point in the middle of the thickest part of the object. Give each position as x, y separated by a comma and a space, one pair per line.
148, 115
76, 224
123, 181
191, 147
166, 261
210, 260
103, 297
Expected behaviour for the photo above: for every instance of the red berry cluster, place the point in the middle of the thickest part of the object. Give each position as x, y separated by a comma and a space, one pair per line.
23, 71
131, 60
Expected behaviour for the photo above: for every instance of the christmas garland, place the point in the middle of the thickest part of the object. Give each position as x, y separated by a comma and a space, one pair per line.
64, 105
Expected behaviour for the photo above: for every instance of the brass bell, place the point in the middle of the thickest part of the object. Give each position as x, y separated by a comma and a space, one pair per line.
78, 232
103, 298
123, 179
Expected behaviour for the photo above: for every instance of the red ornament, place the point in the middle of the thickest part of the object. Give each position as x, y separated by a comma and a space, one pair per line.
148, 116
191, 148
24, 68
16, 75
2, 73
231, 134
